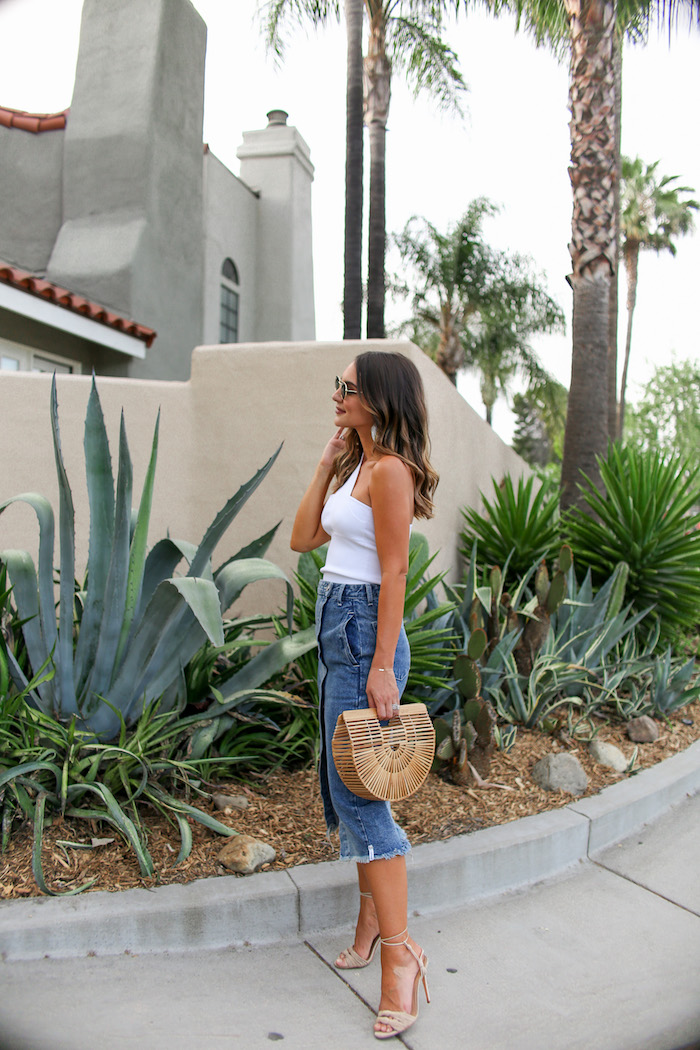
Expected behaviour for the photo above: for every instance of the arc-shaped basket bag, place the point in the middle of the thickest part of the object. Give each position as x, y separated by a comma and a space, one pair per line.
385, 762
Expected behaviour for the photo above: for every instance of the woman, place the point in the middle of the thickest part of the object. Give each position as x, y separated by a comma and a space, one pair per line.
378, 457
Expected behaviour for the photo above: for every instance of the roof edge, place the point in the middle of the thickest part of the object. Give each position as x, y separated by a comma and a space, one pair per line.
28, 282
34, 122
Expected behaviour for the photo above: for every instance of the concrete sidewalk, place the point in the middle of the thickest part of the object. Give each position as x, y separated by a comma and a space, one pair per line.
603, 955
604, 958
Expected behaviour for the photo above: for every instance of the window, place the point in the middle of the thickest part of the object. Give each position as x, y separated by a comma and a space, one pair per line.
228, 327
229, 271
229, 303
14, 357
40, 363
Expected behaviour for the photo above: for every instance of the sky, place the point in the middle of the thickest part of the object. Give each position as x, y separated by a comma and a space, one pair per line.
511, 145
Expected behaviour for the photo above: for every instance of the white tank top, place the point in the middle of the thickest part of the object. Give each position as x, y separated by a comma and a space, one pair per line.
352, 552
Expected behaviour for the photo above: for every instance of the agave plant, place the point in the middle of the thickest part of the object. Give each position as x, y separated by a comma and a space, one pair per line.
579, 661
429, 626
655, 684
137, 624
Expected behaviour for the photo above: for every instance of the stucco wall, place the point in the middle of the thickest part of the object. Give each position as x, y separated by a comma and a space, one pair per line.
131, 236
230, 231
218, 429
30, 184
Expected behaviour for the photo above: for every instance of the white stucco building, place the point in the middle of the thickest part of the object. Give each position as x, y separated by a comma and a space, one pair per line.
124, 242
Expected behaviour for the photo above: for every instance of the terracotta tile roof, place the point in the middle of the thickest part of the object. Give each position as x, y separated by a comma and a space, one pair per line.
17, 118
43, 289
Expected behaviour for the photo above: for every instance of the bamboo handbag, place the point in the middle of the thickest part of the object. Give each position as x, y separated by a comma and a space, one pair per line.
384, 762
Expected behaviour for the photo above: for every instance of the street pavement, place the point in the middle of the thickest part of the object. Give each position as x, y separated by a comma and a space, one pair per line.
605, 956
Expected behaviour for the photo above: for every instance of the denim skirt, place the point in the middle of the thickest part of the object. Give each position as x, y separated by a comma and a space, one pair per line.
346, 629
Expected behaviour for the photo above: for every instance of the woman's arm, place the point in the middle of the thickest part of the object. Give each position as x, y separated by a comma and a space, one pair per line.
307, 533
391, 492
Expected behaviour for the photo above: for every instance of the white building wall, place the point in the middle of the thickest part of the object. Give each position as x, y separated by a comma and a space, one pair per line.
230, 231
276, 162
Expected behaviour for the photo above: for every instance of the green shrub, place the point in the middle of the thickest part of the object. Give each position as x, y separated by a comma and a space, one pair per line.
52, 768
647, 517
517, 528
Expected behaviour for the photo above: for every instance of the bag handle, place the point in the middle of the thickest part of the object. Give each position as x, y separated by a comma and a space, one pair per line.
368, 714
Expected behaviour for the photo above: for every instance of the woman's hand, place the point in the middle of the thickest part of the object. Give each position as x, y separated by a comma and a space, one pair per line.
382, 692
334, 446
307, 532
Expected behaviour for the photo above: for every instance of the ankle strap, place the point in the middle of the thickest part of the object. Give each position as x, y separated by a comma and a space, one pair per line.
390, 942
363, 894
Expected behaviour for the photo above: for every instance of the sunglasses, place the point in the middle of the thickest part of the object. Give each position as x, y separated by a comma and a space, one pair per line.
343, 387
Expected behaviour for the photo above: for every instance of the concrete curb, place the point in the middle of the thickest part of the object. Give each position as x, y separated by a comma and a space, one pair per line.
284, 905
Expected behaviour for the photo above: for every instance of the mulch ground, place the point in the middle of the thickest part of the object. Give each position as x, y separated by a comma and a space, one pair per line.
285, 811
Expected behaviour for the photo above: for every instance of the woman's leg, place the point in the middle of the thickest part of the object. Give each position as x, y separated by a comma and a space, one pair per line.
367, 926
388, 884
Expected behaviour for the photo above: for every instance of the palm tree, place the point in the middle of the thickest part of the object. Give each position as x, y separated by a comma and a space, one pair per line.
403, 35
652, 214
496, 343
474, 307
354, 160
592, 248
449, 280
594, 30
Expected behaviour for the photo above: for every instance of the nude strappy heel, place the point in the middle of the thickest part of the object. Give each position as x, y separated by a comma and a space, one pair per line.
352, 960
399, 1020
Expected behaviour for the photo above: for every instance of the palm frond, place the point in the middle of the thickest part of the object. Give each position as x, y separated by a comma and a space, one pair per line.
430, 64
279, 17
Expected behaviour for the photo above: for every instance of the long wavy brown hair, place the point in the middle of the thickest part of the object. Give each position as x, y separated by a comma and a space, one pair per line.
391, 388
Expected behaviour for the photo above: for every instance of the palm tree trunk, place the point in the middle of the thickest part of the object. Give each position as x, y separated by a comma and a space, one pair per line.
489, 393
592, 173
631, 268
614, 284
377, 95
354, 149
450, 354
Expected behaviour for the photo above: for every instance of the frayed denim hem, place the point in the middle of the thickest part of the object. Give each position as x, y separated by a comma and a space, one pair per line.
402, 852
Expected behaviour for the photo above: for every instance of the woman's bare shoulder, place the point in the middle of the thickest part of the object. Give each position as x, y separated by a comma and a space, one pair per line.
390, 470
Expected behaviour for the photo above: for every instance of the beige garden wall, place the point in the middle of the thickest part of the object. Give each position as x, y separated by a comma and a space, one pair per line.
217, 429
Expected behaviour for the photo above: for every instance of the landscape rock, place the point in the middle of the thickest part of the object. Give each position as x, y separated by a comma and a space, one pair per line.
608, 755
244, 854
560, 772
643, 730
224, 802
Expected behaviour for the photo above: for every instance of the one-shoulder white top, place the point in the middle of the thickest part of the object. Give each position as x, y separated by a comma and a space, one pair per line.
352, 552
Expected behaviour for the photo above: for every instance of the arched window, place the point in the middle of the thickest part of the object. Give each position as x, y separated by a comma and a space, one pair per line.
230, 301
